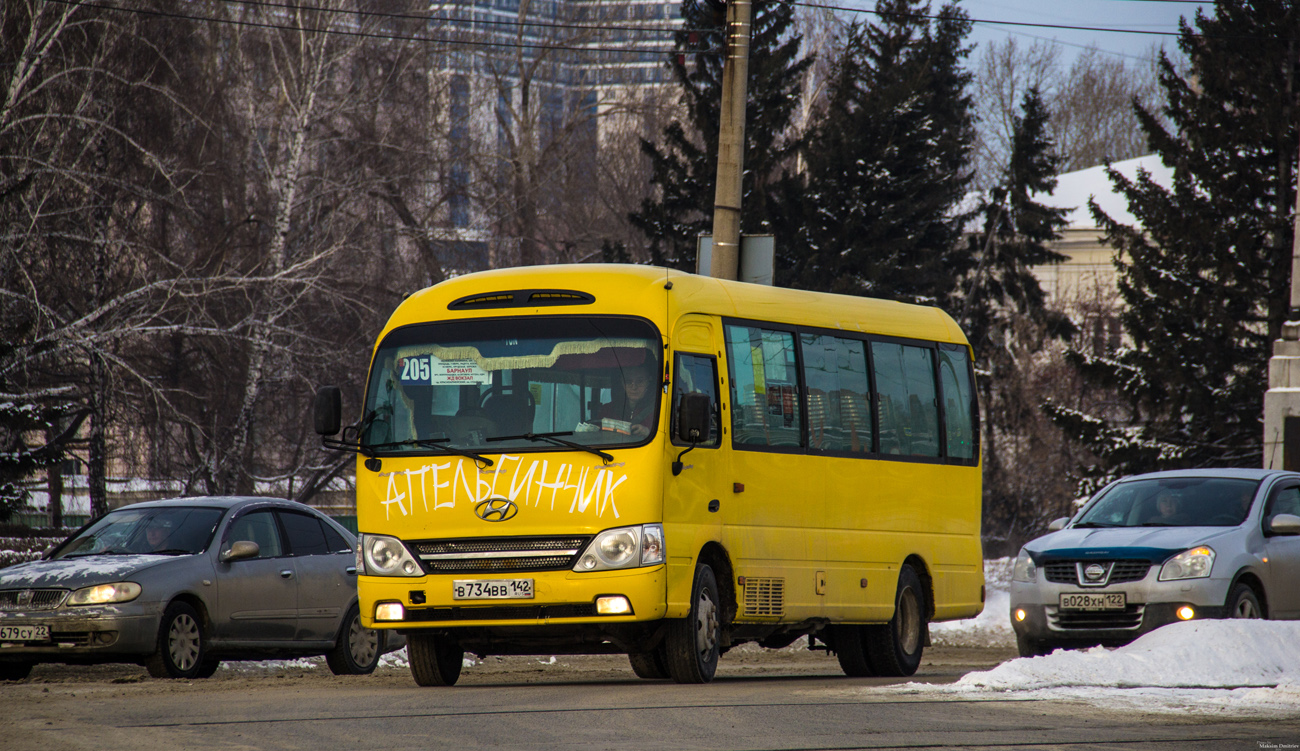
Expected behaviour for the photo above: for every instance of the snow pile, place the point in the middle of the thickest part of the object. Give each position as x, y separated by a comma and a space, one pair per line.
991, 628
1234, 667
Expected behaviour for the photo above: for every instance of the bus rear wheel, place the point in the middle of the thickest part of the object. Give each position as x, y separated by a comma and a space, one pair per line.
895, 648
691, 644
851, 649
435, 660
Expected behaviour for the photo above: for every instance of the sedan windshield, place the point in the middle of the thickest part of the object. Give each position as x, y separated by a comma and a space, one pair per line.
551, 383
173, 530
1173, 502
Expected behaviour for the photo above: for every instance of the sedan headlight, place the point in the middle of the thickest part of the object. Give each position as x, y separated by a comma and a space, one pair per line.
387, 556
1189, 564
624, 547
1025, 570
104, 594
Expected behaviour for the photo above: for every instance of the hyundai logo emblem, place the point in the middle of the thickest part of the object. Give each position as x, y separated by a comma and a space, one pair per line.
496, 510
1094, 572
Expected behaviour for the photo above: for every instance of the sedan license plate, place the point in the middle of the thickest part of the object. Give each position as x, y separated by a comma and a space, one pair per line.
492, 589
1093, 601
37, 632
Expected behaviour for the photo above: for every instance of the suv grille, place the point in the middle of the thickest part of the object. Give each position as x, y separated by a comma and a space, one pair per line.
31, 599
1127, 619
1066, 572
499, 554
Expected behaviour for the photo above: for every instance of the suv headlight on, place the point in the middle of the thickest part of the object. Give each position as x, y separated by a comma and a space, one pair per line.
1189, 564
624, 547
1025, 570
387, 556
104, 594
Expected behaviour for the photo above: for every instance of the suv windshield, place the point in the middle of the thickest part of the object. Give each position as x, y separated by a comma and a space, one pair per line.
512, 384
173, 530
1173, 502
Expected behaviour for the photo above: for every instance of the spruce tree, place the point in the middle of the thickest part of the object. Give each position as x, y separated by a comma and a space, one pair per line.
1204, 280
890, 162
1006, 319
684, 167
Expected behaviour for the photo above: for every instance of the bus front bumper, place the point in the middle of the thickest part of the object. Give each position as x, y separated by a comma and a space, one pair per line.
559, 597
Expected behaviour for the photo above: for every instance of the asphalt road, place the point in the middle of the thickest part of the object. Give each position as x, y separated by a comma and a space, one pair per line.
760, 700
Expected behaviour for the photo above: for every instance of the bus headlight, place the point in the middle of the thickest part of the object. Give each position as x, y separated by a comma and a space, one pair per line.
1189, 564
623, 547
387, 556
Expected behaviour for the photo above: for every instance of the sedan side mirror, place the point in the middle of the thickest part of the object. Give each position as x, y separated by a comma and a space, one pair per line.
240, 550
1058, 524
1284, 524
328, 410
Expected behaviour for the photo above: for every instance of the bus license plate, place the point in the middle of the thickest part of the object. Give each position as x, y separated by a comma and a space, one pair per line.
1093, 601
492, 589
38, 632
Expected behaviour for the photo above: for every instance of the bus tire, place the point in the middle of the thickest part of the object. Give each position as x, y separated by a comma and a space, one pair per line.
691, 644
649, 665
435, 660
895, 648
851, 650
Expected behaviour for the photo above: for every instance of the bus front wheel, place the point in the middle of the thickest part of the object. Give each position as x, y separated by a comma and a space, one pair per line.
435, 660
691, 644
894, 649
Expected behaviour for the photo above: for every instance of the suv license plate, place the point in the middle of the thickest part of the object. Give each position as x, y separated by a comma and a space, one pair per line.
492, 589
1091, 601
38, 632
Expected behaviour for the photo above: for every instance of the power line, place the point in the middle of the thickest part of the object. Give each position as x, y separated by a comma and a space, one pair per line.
990, 21
373, 35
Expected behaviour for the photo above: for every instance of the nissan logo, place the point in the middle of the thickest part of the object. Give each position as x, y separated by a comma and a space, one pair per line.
496, 510
1094, 572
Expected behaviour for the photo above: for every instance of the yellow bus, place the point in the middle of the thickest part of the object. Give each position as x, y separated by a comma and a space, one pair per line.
597, 459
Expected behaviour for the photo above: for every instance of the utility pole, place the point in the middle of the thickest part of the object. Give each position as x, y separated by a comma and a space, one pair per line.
731, 144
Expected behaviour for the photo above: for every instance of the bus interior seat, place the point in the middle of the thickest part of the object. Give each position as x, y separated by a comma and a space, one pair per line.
511, 411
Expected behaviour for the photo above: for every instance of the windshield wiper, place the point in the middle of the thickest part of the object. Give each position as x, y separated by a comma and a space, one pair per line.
553, 439
428, 443
171, 551
1160, 524
1094, 525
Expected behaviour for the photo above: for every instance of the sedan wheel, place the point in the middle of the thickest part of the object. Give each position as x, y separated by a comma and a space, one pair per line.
358, 649
180, 645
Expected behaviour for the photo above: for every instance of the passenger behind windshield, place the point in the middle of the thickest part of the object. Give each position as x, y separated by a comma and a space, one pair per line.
158, 531
1172, 502
513, 384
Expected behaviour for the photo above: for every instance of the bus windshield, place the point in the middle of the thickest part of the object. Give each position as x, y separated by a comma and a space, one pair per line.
514, 384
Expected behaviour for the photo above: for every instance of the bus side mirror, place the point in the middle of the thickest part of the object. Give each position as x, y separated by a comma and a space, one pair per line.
328, 410
694, 412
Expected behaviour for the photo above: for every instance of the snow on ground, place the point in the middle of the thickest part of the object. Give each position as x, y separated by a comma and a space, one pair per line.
1232, 667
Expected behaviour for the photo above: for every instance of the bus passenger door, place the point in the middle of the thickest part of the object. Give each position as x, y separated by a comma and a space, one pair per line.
693, 497
774, 514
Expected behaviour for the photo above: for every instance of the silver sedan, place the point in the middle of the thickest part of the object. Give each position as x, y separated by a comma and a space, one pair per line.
182, 584
1158, 548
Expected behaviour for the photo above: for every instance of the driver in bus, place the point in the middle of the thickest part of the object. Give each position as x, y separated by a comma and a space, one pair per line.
638, 404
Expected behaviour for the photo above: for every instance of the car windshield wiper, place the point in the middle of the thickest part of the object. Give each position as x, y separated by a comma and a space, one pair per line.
553, 438
109, 551
429, 443
1160, 524
1093, 525
171, 551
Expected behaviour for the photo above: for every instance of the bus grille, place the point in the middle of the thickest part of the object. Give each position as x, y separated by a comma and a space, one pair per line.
764, 597
499, 555
31, 599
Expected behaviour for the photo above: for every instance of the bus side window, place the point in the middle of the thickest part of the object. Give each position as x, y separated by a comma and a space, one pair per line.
909, 417
697, 374
958, 401
836, 388
765, 399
